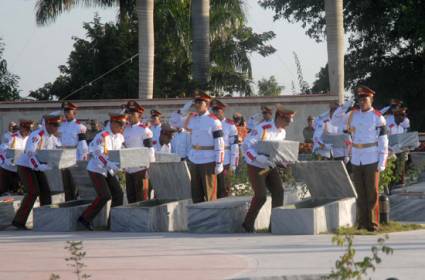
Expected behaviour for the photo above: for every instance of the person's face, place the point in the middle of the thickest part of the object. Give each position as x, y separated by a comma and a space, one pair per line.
310, 123
365, 103
13, 128
267, 115
69, 114
399, 118
134, 117
218, 112
24, 131
201, 106
52, 128
117, 127
155, 120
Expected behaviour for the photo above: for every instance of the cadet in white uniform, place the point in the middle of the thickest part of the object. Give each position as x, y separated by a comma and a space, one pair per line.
30, 169
73, 135
262, 181
102, 171
155, 127
9, 179
369, 155
180, 144
207, 153
231, 149
137, 135
12, 128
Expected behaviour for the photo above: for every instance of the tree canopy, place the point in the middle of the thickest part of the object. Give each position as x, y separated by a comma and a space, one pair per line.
386, 48
8, 81
269, 87
109, 44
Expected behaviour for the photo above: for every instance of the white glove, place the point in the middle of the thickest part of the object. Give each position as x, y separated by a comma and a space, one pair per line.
186, 107
218, 168
264, 160
381, 167
113, 166
43, 167
346, 160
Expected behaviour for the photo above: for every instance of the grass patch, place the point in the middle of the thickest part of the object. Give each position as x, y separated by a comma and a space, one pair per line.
387, 228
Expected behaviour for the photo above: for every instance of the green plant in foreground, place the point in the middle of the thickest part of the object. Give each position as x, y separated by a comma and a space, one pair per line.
347, 268
75, 261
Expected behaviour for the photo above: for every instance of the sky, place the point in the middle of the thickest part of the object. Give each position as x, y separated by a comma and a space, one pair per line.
34, 53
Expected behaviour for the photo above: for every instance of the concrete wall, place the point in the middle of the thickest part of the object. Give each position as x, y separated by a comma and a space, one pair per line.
99, 109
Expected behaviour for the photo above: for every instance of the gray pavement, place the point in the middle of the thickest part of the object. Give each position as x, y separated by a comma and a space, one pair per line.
30, 255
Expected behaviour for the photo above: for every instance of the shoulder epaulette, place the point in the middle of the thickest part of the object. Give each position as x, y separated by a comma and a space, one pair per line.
41, 133
78, 122
105, 134
267, 126
378, 113
142, 125
212, 116
230, 122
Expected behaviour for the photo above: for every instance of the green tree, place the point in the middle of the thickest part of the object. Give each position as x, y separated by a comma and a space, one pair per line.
269, 87
8, 81
386, 45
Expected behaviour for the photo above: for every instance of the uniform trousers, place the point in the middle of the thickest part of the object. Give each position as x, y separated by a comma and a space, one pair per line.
260, 184
366, 182
224, 182
136, 186
69, 187
9, 181
106, 188
35, 184
203, 182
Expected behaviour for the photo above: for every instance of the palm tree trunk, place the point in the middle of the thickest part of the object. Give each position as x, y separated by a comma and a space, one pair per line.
146, 47
335, 43
200, 41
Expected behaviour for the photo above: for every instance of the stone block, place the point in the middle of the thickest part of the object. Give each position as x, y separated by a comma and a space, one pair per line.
279, 150
166, 157
62, 217
336, 140
9, 205
14, 154
418, 160
157, 215
332, 201
225, 215
130, 157
408, 206
54, 177
404, 141
313, 217
58, 158
82, 180
170, 180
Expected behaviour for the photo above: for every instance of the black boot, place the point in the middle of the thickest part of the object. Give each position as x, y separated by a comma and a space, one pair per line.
247, 228
19, 226
86, 224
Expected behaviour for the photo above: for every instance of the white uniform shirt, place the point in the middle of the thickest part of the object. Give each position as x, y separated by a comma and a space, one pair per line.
263, 131
206, 138
366, 128
39, 139
16, 141
156, 131
180, 144
231, 147
138, 135
72, 135
394, 128
6, 137
99, 148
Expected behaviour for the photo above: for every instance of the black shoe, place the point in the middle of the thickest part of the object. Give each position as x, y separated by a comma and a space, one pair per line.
19, 226
86, 224
247, 228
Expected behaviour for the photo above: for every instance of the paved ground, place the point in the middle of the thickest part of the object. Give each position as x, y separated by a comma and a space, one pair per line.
29, 255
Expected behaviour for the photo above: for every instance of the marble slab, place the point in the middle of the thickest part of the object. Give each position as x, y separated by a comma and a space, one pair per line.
324, 179
130, 157
225, 215
14, 154
58, 158
166, 157
336, 140
158, 215
279, 150
313, 217
404, 141
418, 159
82, 180
62, 217
9, 205
170, 180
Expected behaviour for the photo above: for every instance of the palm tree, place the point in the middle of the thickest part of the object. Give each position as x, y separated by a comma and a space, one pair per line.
335, 46
144, 10
200, 41
48, 10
